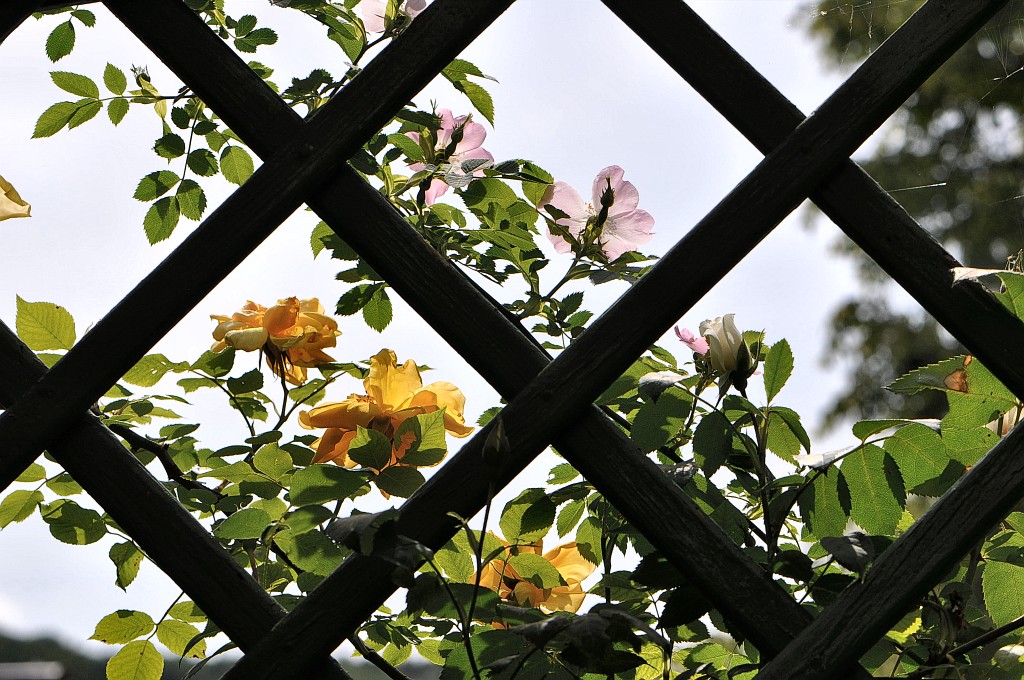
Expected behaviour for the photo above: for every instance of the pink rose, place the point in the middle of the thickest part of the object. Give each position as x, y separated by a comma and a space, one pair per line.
374, 11
467, 148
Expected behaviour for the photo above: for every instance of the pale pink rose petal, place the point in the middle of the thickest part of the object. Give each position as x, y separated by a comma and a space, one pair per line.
696, 343
414, 7
564, 198
625, 232
373, 15
613, 173
436, 189
473, 135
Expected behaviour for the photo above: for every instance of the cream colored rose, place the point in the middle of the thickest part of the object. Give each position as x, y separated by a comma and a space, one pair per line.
725, 343
11, 204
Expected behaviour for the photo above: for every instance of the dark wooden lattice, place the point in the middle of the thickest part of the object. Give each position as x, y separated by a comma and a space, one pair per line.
304, 162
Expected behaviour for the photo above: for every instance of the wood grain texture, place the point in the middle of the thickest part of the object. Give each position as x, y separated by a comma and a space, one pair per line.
506, 356
152, 517
235, 228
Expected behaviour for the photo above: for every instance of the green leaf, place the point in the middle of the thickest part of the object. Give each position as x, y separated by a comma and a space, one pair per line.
311, 550
821, 506
306, 518
61, 41
920, 453
75, 84
161, 219
370, 449
478, 97
44, 325
261, 36
778, 366
19, 506
318, 484
250, 381
71, 523
137, 660
127, 558
1003, 587
169, 146
216, 364
430, 445
536, 570
234, 472
570, 515
151, 368
123, 626
53, 119
85, 16
187, 611
191, 199
781, 439
659, 420
310, 393
114, 79
399, 480
64, 485
876, 490
588, 539
176, 636
984, 400
246, 523
33, 473
377, 312
245, 24
273, 461
155, 184
968, 446
316, 242
85, 109
236, 164
117, 109
712, 442
202, 162
527, 517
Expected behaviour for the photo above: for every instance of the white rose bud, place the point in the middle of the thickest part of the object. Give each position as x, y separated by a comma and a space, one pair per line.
726, 348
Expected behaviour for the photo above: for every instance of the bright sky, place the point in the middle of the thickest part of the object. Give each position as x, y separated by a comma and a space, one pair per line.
577, 92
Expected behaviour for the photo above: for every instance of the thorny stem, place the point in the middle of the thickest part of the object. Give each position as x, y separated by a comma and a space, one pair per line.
138, 442
376, 659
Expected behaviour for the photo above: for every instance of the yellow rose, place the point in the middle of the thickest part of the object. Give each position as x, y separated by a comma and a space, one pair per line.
292, 334
11, 204
393, 395
501, 577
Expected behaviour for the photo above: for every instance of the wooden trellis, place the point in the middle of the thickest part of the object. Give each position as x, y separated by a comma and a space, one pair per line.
304, 162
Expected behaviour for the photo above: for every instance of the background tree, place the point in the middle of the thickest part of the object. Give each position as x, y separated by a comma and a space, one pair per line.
951, 156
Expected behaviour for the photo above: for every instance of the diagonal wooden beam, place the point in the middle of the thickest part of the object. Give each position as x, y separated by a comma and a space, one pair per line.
234, 229
500, 349
154, 519
702, 257
13, 12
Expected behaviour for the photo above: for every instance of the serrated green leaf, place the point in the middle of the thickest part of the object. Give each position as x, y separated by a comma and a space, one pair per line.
161, 219
478, 97
75, 84
246, 523
234, 472
169, 146
236, 164
428, 445
44, 325
527, 517
155, 184
536, 570
85, 16
319, 484
459, 68
968, 446
712, 441
202, 162
778, 366
821, 507
658, 421
137, 660
176, 635
123, 626
187, 611
150, 369
370, 449
33, 473
114, 79
876, 490
53, 119
64, 485
920, 453
260, 36
570, 515
1003, 587
117, 109
19, 506
399, 480
191, 199
377, 312
311, 550
61, 41
320, 231
85, 109
273, 461
127, 558
245, 24
588, 539
306, 518
71, 523
216, 364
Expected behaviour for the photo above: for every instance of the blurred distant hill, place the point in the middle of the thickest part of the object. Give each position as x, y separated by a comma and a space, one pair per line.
78, 666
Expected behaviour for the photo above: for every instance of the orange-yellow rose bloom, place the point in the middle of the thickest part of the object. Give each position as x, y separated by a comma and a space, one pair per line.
499, 576
11, 204
292, 333
393, 395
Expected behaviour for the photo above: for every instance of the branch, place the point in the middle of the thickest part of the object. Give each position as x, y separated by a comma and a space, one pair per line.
138, 442
376, 659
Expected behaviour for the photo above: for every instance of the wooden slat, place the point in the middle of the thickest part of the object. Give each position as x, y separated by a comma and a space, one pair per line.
869, 216
234, 229
154, 519
13, 12
503, 352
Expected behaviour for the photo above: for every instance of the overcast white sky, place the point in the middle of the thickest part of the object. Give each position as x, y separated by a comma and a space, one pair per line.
578, 91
